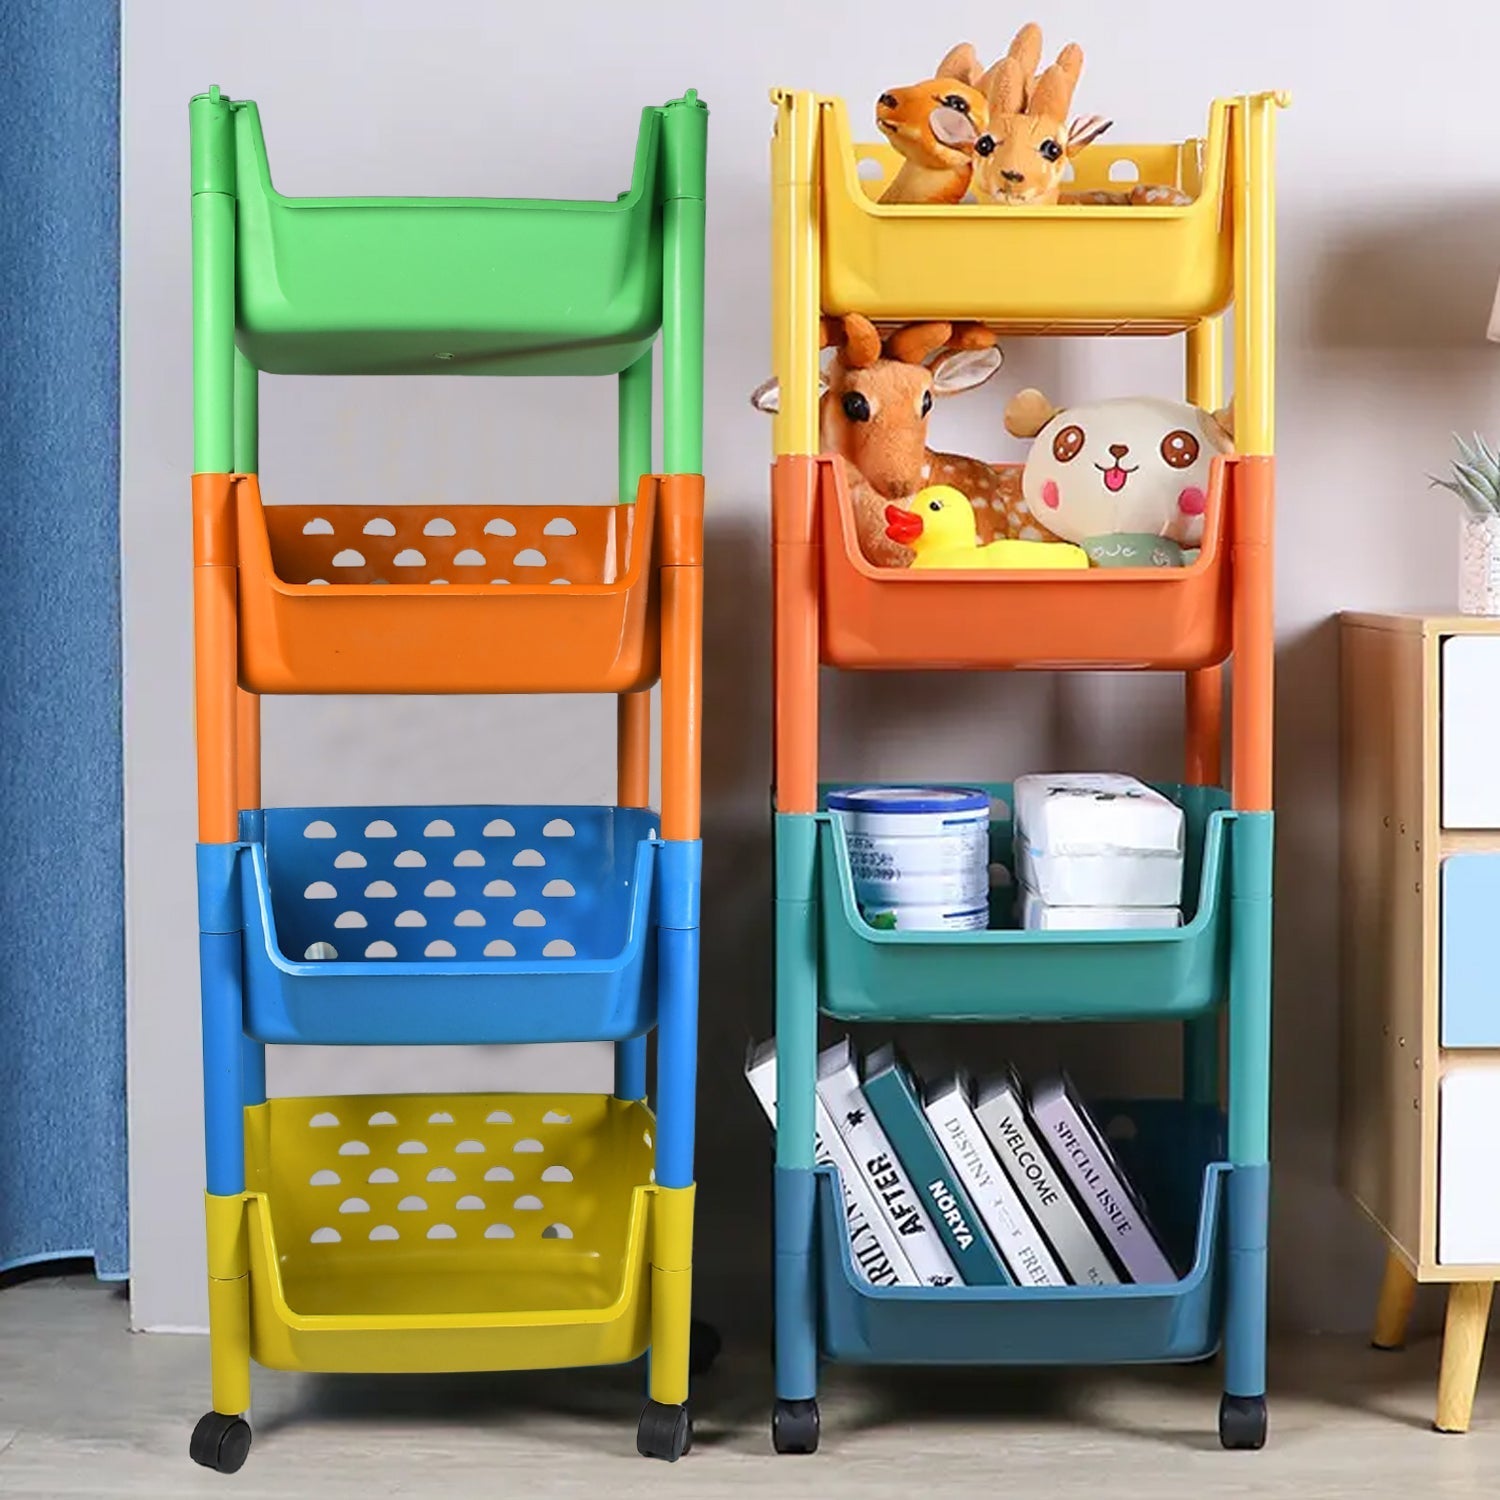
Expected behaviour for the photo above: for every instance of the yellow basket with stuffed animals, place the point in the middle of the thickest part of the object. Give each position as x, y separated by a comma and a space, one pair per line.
1069, 268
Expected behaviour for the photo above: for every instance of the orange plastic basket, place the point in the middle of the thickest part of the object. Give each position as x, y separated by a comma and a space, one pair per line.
895, 618
447, 599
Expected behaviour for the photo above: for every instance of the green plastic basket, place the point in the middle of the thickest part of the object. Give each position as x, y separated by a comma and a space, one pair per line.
868, 974
329, 286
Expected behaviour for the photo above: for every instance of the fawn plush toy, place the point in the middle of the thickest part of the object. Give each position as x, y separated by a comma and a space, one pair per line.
934, 125
1021, 156
1115, 476
873, 413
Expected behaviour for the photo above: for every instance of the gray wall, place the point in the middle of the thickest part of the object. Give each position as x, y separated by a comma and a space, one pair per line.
1382, 354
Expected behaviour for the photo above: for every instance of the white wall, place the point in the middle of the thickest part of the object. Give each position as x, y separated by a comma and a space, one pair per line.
1390, 246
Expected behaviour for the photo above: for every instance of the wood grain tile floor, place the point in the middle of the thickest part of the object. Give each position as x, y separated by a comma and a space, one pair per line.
87, 1409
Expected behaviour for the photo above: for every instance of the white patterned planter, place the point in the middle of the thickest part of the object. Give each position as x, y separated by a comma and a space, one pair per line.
1479, 566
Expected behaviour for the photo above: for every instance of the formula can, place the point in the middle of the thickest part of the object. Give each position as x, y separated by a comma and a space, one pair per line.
918, 855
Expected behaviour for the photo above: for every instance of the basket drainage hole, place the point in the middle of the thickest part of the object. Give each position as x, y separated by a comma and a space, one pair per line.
380, 888
559, 526
557, 1117
323, 1121
321, 950
439, 526
409, 557
527, 1203
411, 919
380, 828
319, 890
468, 859
470, 1148
557, 1232
557, 1174
439, 828
440, 948
326, 1236
380, 949
354, 1148
499, 526
442, 1174
529, 557
529, 859
499, 1117
469, 1203
412, 1205
559, 948
354, 1206
558, 828
318, 526
382, 1175
529, 918
384, 1232
499, 1232
350, 859
442, 1232
324, 1178
349, 558
1124, 170
552, 888
499, 948
410, 859
320, 829
440, 1117
499, 828
439, 888
500, 888
469, 558
350, 919
870, 169
411, 1148
379, 526
468, 918
381, 1117
526, 1146
501, 1174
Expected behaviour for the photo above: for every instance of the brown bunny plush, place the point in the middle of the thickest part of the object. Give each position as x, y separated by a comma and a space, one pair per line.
1023, 153
934, 125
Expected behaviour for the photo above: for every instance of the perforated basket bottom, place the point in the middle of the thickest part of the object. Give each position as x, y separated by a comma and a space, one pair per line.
475, 1206
454, 544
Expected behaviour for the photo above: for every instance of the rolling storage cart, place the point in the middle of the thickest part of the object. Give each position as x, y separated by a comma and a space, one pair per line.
456, 1232
1201, 1160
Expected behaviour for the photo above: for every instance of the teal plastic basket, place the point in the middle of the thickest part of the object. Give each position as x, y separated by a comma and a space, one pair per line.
1005, 974
1173, 1152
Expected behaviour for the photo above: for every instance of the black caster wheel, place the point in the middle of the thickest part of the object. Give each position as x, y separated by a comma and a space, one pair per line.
664, 1432
220, 1442
1242, 1422
795, 1426
704, 1345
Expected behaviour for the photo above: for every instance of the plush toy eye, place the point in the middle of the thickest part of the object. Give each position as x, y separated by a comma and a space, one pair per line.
856, 408
1050, 149
985, 145
1180, 449
926, 405
1067, 445
934, 505
956, 101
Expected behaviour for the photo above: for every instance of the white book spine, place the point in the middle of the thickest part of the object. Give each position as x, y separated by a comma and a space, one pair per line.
996, 1200
1037, 1179
839, 1088
1099, 1187
873, 1243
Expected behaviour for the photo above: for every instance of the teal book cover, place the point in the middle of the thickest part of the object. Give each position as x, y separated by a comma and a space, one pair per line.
891, 1095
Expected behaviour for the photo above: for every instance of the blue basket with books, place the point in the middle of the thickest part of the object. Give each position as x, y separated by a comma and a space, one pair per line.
957, 1225
872, 970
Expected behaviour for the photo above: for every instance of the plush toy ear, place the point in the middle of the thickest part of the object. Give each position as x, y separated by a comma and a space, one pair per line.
962, 63
963, 369
1223, 419
1053, 94
1026, 50
1028, 412
766, 396
1085, 130
1005, 88
949, 128
861, 341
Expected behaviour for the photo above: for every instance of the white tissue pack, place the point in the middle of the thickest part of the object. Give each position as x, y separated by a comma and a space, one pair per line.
1037, 916
1097, 839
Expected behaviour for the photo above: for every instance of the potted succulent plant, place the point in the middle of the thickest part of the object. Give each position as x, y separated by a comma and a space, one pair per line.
1476, 481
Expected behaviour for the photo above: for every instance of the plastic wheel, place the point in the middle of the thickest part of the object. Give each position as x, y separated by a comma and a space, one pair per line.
795, 1426
664, 1432
220, 1443
1242, 1422
704, 1345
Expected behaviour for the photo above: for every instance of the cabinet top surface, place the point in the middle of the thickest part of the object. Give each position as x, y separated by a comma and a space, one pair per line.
1420, 622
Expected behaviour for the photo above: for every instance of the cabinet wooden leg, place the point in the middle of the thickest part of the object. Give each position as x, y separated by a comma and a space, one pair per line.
1463, 1349
1393, 1312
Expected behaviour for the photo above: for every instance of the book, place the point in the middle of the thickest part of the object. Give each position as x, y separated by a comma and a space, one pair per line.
1099, 1181
873, 1243
1011, 1226
855, 1121
1001, 1112
889, 1089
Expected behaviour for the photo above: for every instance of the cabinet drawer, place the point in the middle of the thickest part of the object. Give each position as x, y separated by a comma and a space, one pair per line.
1469, 971
1469, 1167
1471, 731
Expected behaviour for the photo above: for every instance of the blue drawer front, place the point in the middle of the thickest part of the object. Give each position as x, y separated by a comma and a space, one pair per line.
1470, 1009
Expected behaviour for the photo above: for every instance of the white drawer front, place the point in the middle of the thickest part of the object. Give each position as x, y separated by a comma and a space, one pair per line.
1469, 1167
1471, 731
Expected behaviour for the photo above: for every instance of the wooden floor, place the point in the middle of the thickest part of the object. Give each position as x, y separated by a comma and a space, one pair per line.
86, 1409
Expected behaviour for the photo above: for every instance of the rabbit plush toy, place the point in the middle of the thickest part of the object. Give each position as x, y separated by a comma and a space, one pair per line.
1127, 479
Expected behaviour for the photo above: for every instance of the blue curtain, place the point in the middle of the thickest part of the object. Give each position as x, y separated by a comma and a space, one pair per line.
62, 979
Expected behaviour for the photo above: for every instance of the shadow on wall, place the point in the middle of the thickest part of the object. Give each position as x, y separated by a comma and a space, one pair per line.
1400, 283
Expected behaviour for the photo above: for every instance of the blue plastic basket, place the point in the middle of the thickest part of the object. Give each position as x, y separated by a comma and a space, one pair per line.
1173, 1157
448, 924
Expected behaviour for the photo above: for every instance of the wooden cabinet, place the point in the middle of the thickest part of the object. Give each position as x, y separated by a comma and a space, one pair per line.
1420, 963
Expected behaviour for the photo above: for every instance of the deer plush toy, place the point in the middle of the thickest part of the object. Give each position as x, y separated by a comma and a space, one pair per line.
934, 125
873, 412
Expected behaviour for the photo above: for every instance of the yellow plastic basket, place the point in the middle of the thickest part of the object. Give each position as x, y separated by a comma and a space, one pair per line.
1065, 269
449, 1232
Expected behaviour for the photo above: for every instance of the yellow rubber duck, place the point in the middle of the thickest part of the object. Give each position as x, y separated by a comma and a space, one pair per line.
939, 528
